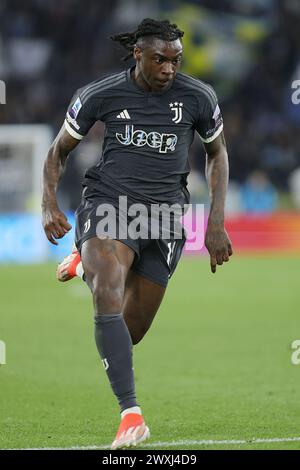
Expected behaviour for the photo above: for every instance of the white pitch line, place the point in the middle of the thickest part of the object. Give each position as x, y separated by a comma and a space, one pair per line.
178, 443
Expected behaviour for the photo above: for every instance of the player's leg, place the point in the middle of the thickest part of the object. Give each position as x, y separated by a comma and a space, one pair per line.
142, 297
146, 284
141, 302
106, 264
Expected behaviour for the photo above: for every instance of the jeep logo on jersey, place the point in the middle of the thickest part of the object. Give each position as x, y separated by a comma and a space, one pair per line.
139, 138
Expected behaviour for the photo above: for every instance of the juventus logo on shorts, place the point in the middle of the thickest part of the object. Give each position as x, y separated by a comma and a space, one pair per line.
177, 107
171, 246
87, 226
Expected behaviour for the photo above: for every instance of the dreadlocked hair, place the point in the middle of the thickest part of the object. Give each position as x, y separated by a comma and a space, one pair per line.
148, 27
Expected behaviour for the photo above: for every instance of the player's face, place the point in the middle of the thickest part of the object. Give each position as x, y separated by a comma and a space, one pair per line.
158, 63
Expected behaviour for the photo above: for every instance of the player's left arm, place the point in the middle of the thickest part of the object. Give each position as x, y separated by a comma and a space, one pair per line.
217, 241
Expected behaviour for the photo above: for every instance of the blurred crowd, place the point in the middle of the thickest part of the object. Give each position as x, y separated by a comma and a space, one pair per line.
49, 48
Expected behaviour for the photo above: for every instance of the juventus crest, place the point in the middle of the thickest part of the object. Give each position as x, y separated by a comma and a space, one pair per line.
177, 108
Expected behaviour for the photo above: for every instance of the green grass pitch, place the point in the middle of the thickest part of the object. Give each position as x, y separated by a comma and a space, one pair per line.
216, 364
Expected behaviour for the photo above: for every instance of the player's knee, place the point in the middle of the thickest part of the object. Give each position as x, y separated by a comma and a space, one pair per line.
105, 279
107, 297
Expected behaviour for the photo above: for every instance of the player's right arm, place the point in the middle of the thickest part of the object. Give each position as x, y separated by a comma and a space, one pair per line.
54, 221
80, 117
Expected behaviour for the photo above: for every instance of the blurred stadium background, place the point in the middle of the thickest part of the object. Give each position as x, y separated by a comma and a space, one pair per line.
250, 52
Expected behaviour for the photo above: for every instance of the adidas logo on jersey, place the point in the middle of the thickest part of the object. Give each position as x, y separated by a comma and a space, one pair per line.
124, 115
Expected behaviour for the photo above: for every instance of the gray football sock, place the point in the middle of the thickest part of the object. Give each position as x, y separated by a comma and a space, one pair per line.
115, 348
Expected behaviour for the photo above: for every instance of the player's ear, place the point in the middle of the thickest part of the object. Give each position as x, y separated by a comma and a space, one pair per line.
137, 53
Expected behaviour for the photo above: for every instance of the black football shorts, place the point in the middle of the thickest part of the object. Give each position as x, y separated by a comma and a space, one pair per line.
155, 259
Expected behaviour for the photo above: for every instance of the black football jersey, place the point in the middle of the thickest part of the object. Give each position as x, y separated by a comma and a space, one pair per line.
148, 134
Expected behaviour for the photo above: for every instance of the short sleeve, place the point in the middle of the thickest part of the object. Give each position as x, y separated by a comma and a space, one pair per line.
210, 122
80, 116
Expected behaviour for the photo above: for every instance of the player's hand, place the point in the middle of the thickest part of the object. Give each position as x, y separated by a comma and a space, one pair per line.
218, 245
55, 223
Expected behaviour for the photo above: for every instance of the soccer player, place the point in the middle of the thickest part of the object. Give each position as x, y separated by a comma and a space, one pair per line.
150, 112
